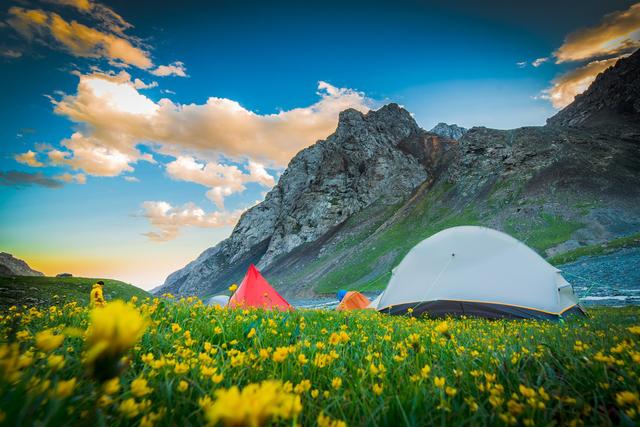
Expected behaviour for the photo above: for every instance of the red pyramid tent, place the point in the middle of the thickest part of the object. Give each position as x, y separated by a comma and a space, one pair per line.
255, 291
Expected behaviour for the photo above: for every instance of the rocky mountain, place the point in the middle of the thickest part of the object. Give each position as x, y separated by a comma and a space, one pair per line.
348, 208
449, 131
11, 266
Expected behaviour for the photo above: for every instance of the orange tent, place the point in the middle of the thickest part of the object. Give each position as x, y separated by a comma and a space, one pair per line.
255, 291
353, 300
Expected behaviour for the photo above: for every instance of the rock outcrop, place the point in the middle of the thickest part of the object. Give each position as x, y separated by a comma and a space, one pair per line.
11, 266
449, 131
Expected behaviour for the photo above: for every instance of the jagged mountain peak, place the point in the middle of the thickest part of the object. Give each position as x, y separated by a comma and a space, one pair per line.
452, 131
390, 119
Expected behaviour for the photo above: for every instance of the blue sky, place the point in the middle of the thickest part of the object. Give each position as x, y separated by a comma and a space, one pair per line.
103, 175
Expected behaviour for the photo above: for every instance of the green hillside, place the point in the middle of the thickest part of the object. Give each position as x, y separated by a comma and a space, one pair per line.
33, 290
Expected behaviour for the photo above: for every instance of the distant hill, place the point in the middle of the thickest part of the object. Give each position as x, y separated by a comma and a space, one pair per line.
37, 290
12, 266
348, 208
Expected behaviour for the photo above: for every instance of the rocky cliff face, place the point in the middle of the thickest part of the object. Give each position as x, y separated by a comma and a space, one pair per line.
379, 156
449, 131
348, 208
11, 266
612, 99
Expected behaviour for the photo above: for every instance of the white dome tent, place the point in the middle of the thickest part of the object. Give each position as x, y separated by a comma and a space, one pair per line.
480, 272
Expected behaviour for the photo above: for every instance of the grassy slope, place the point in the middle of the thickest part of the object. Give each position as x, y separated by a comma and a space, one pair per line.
593, 250
53, 290
367, 257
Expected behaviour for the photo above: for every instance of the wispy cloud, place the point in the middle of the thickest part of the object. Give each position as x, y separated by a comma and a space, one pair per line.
174, 69
223, 180
29, 158
539, 61
616, 34
104, 37
168, 220
25, 179
76, 38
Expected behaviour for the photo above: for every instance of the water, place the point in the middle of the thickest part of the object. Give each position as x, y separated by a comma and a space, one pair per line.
611, 280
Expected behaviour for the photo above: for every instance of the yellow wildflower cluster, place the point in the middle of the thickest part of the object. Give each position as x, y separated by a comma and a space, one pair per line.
252, 367
252, 406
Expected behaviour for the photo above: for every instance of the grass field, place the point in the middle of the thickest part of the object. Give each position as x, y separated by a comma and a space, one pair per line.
182, 363
38, 290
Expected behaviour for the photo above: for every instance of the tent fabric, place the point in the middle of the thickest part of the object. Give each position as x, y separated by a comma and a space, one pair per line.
353, 300
476, 271
255, 291
221, 300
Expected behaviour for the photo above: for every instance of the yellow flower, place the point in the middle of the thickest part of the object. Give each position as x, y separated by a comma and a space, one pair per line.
634, 330
252, 333
114, 329
326, 421
183, 386
181, 368
336, 383
217, 379
139, 387
451, 391
47, 341
443, 328
255, 405
65, 388
626, 398
280, 354
302, 359
527, 392
425, 371
439, 381
55, 362
111, 386
175, 328
129, 408
377, 389
233, 287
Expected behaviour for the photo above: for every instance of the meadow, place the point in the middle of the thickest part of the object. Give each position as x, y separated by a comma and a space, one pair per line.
179, 362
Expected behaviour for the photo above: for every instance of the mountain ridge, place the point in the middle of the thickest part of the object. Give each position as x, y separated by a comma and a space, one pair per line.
349, 207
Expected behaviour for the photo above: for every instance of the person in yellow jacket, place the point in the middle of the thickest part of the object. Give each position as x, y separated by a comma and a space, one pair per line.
97, 297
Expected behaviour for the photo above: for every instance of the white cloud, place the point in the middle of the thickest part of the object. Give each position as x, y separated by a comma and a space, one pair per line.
69, 178
538, 62
168, 220
521, 64
29, 158
79, 39
112, 112
223, 180
10, 53
139, 84
617, 33
131, 179
174, 69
